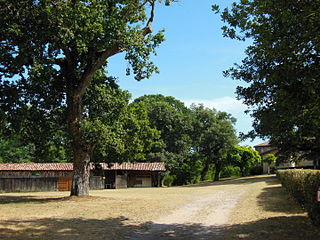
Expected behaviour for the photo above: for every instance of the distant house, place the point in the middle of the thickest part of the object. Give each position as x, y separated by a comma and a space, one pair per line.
28, 177
266, 148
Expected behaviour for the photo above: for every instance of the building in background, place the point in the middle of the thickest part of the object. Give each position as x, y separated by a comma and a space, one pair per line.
31, 177
266, 148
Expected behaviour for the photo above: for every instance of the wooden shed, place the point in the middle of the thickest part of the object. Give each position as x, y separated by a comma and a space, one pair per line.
29, 177
133, 174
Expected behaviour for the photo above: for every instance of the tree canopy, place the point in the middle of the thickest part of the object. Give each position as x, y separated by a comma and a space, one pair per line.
244, 157
281, 68
50, 52
214, 137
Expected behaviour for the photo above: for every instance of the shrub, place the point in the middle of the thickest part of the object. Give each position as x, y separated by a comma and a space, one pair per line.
303, 186
230, 171
168, 180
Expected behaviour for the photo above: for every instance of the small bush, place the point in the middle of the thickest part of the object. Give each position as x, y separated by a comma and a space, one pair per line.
230, 171
168, 180
303, 186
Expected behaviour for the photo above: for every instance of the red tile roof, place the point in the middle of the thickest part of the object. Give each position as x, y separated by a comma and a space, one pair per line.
36, 166
158, 166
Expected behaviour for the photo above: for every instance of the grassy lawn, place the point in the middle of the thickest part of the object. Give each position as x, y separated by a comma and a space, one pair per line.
106, 214
265, 212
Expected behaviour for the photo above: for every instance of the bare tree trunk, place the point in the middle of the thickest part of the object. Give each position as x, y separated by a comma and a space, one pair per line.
241, 171
218, 169
81, 173
204, 171
80, 148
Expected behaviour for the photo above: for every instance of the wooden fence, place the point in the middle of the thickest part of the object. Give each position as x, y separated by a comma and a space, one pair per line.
41, 184
28, 184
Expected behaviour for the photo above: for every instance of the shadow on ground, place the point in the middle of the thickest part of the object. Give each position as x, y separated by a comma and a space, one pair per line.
64, 229
273, 198
286, 228
291, 228
7, 199
276, 199
4, 199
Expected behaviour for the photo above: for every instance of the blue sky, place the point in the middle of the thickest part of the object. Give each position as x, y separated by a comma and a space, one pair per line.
191, 60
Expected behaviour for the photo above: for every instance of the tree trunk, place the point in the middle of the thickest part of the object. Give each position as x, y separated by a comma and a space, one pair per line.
80, 148
217, 171
81, 173
204, 171
241, 171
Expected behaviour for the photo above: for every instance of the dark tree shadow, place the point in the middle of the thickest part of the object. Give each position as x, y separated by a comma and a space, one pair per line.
65, 229
271, 199
276, 228
7, 199
154, 231
276, 199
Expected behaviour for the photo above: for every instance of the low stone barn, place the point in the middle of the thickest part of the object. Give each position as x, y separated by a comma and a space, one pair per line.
30, 177
266, 148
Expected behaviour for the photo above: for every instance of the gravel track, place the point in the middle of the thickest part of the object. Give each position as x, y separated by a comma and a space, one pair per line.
202, 218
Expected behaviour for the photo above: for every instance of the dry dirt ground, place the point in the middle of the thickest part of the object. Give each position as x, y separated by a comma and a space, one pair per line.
251, 208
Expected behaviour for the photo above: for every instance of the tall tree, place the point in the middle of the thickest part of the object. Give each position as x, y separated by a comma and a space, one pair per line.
282, 69
214, 137
244, 157
169, 116
121, 130
59, 46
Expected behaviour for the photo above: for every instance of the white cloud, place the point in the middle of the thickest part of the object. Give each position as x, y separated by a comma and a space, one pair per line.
226, 104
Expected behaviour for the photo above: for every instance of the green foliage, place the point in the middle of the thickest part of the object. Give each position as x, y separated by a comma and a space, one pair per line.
187, 171
303, 186
244, 157
12, 151
50, 53
281, 68
270, 158
173, 120
120, 130
213, 137
230, 171
168, 180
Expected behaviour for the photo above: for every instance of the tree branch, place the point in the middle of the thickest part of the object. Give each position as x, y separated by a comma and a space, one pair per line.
104, 54
93, 67
57, 61
148, 28
69, 57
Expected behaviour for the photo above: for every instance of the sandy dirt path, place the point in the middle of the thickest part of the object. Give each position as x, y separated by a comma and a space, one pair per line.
251, 208
204, 217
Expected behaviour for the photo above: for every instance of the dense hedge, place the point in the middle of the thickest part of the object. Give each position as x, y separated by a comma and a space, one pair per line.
303, 185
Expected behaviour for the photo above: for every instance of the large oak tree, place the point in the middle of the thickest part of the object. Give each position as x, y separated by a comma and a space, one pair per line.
214, 138
54, 48
281, 68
